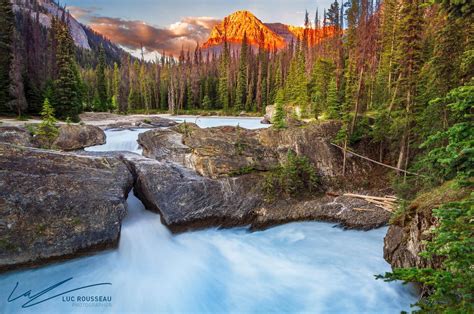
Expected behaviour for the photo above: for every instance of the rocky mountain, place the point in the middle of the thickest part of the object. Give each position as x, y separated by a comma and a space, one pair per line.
272, 35
85, 38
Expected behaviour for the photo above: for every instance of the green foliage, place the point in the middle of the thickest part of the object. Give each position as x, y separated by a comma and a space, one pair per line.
242, 171
458, 8
223, 90
295, 177
279, 115
296, 84
116, 88
321, 77
451, 151
450, 287
47, 131
332, 102
206, 102
101, 103
67, 95
241, 91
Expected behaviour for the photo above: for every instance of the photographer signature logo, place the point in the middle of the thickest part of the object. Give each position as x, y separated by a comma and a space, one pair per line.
39, 297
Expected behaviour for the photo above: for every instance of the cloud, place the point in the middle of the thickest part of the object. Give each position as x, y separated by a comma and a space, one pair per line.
82, 13
136, 34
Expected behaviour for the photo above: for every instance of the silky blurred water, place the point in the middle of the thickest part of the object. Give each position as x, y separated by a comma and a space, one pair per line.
299, 267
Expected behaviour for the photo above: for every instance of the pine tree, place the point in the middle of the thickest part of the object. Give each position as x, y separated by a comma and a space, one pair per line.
332, 102
241, 91
144, 91
101, 82
116, 99
47, 131
67, 90
409, 59
6, 41
279, 115
296, 85
206, 103
224, 78
321, 76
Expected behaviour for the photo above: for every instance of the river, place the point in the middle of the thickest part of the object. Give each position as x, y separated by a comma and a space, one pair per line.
308, 267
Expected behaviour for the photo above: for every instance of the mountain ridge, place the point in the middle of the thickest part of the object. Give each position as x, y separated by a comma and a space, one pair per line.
269, 35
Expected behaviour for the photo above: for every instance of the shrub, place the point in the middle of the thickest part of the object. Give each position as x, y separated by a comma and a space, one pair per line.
279, 116
293, 178
47, 131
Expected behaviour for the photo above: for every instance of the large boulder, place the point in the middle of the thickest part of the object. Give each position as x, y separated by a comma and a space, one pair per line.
187, 200
269, 113
216, 177
313, 141
71, 137
58, 205
223, 151
74, 137
16, 135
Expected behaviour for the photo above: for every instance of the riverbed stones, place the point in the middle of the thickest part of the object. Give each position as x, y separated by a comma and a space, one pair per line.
57, 205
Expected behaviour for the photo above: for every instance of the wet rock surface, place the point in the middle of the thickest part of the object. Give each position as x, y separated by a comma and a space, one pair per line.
56, 205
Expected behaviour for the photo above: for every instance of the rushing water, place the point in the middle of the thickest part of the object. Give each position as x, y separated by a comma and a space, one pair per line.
209, 122
298, 267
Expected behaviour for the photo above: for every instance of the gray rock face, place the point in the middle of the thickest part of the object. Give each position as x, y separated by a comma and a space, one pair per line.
191, 181
164, 144
74, 137
408, 232
269, 112
344, 211
220, 151
312, 141
15, 135
186, 200
58, 205
189, 201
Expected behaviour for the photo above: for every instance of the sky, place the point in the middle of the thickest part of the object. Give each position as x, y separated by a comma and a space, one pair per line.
168, 25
